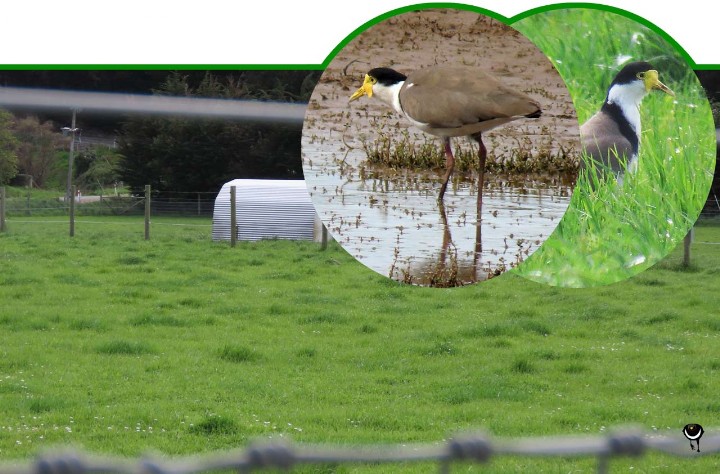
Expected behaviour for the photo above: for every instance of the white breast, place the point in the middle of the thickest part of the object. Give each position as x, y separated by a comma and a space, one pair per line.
628, 97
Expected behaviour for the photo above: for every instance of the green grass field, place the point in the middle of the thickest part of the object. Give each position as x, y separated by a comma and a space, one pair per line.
612, 232
179, 345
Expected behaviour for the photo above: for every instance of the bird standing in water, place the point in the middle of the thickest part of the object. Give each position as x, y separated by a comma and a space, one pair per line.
450, 102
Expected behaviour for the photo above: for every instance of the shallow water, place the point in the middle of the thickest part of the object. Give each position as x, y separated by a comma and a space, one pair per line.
392, 223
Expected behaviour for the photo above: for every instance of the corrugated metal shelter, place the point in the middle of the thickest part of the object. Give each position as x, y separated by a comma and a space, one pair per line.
267, 209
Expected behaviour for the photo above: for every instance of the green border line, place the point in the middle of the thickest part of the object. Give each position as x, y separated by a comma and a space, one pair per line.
363, 27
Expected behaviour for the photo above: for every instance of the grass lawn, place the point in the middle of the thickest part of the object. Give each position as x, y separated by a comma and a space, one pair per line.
179, 345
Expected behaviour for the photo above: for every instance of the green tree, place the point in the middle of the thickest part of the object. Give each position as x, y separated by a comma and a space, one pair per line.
98, 167
181, 154
8, 148
39, 147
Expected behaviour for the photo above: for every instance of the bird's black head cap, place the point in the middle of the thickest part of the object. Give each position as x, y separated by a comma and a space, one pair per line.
387, 76
629, 73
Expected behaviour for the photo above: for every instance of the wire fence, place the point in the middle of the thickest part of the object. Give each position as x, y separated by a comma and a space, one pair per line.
47, 210
105, 223
174, 204
177, 204
469, 448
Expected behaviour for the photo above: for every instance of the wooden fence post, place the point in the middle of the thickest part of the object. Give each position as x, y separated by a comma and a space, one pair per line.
147, 212
686, 246
233, 216
324, 241
73, 193
2, 209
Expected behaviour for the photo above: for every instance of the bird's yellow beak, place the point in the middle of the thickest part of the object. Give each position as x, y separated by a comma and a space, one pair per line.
653, 82
366, 89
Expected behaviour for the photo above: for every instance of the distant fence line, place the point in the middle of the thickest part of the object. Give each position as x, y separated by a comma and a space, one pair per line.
470, 448
179, 204
167, 203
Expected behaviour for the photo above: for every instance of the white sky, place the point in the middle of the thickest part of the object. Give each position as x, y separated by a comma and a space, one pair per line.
257, 31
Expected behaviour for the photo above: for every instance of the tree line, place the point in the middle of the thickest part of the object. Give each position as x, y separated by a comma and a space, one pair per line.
169, 153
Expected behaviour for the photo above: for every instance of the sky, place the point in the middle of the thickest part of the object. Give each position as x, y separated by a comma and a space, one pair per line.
270, 32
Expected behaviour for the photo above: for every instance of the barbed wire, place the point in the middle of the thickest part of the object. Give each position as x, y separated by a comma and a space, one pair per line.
466, 448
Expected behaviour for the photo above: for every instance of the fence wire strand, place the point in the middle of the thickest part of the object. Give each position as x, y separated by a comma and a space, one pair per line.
124, 224
467, 448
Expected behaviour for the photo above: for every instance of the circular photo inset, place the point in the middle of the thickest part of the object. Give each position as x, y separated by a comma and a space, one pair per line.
440, 147
649, 147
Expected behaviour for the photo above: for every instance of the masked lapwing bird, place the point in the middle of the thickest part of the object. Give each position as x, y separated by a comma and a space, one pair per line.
693, 432
611, 137
450, 102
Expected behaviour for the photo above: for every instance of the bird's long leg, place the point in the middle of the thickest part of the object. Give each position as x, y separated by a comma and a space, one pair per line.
449, 166
482, 157
447, 236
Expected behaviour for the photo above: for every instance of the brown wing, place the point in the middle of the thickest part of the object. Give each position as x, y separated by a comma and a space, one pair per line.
454, 97
603, 142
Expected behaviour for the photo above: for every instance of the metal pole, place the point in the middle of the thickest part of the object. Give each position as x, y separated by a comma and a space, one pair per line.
2, 209
324, 241
71, 157
73, 189
147, 212
233, 217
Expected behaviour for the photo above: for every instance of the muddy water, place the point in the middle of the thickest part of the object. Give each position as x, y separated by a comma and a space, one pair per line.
392, 222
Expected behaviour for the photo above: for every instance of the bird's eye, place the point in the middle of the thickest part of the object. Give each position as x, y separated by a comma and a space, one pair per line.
641, 75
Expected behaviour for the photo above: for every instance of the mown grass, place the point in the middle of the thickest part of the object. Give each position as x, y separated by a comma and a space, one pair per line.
180, 345
610, 231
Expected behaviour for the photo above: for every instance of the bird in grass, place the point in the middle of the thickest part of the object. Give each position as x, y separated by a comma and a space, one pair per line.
611, 137
693, 432
450, 102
